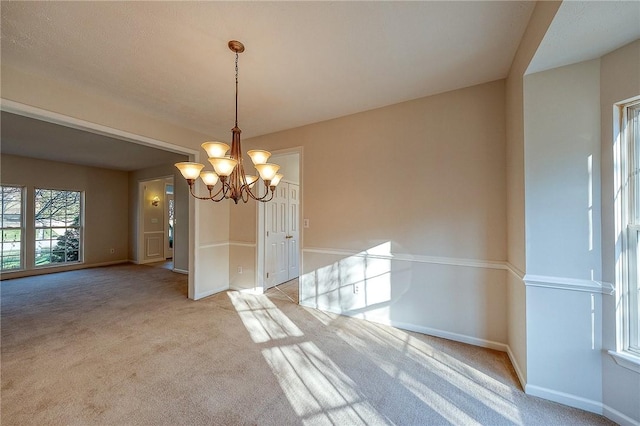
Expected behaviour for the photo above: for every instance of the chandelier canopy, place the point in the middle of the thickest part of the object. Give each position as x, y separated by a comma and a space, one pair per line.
229, 170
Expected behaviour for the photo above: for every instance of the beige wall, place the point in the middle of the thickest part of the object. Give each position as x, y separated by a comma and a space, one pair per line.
539, 22
619, 80
106, 205
181, 229
426, 175
562, 193
425, 182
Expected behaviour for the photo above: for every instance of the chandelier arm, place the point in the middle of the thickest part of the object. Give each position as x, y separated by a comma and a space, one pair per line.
245, 193
193, 194
224, 191
220, 191
263, 198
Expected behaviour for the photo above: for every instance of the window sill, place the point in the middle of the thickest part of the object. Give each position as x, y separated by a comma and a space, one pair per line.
626, 360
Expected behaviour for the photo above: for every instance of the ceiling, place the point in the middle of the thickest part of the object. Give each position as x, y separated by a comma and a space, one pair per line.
29, 137
304, 62
581, 31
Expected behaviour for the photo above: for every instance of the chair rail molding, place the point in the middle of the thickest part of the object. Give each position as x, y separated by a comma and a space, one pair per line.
572, 284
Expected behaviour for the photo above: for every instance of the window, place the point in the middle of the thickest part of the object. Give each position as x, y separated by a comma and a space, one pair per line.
58, 226
12, 232
631, 116
627, 232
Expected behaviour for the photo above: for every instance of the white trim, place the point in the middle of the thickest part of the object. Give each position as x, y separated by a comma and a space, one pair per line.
447, 335
419, 329
564, 283
228, 244
180, 271
516, 367
241, 244
565, 398
213, 245
626, 360
23, 273
560, 283
260, 264
403, 257
618, 417
76, 123
208, 293
514, 270
151, 260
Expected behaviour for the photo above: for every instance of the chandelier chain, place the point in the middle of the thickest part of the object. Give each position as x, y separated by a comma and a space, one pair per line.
236, 89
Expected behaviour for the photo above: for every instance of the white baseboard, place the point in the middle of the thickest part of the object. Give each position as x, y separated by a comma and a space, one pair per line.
145, 261
618, 417
181, 271
516, 367
23, 273
208, 293
457, 337
565, 398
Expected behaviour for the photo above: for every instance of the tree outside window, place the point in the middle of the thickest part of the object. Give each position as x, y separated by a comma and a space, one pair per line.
58, 219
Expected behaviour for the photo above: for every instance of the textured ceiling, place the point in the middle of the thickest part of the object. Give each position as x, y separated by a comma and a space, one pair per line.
581, 31
304, 62
29, 137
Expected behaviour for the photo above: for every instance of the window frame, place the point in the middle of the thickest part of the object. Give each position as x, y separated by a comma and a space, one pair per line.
627, 228
22, 229
631, 133
79, 227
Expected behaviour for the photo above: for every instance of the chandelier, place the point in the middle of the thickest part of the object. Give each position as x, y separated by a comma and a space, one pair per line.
229, 170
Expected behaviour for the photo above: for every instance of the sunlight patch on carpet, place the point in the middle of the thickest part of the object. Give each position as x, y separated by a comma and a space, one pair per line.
318, 391
262, 319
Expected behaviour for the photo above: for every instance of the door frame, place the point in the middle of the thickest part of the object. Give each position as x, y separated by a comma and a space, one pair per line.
88, 126
167, 246
140, 218
260, 226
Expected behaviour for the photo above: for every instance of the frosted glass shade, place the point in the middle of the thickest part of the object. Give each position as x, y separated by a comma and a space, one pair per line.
259, 156
223, 166
215, 149
251, 180
267, 170
209, 178
276, 179
190, 170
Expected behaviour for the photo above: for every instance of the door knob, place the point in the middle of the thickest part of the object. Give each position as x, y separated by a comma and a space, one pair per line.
289, 236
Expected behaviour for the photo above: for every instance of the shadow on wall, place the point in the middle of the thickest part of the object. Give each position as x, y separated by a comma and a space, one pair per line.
465, 303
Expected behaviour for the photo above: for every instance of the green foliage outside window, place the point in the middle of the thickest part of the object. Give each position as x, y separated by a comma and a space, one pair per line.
57, 223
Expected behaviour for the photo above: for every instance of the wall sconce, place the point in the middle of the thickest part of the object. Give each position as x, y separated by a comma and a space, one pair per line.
155, 201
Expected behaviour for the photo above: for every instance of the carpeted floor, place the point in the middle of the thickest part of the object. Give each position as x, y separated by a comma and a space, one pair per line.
123, 345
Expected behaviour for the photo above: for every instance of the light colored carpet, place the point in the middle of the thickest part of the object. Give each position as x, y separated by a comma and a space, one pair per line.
123, 345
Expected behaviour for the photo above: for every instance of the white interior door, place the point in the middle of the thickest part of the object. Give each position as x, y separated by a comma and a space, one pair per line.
276, 242
282, 235
293, 233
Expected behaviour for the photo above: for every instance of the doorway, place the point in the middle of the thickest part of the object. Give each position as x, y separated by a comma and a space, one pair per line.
156, 206
279, 236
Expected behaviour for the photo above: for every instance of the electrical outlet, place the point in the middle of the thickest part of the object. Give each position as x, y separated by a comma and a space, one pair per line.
239, 269
305, 223
356, 288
